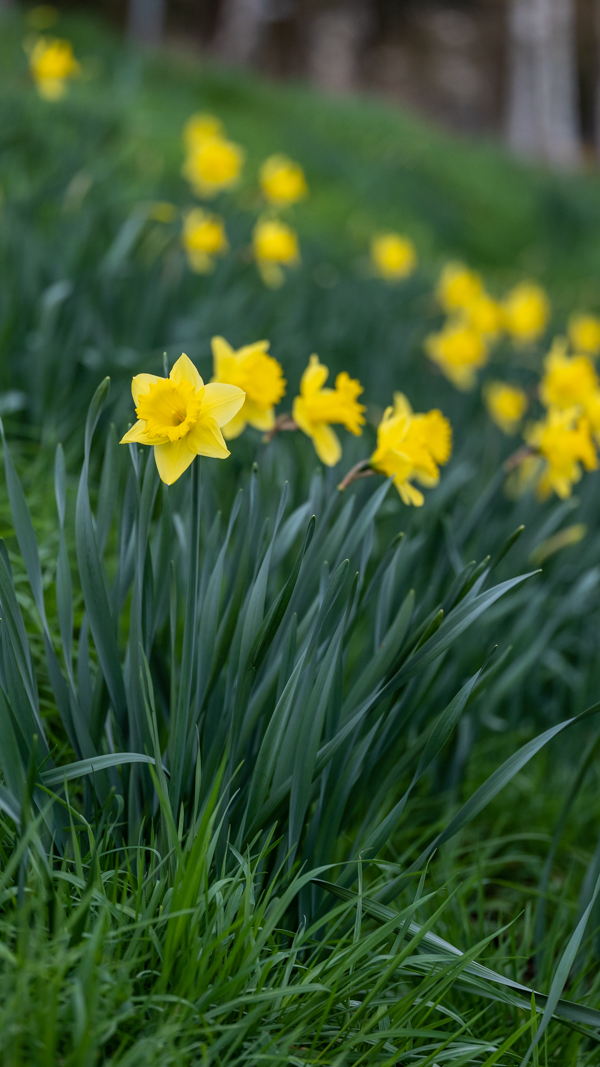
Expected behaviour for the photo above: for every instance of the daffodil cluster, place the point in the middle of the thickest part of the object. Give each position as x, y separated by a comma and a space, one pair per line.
181, 417
475, 320
212, 163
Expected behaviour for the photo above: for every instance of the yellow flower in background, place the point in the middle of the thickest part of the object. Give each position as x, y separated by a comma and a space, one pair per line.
584, 333
42, 17
317, 408
181, 417
162, 211
411, 448
212, 165
52, 64
393, 256
567, 380
203, 238
526, 312
506, 405
563, 440
458, 287
274, 243
459, 352
484, 314
201, 127
260, 376
282, 181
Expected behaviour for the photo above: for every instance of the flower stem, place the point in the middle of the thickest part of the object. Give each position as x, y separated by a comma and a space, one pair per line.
517, 457
282, 422
362, 469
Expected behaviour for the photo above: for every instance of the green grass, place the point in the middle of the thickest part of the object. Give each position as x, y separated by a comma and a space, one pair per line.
155, 915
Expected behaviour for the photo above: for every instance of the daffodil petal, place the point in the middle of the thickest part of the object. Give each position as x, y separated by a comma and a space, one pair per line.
137, 433
221, 350
237, 425
172, 459
262, 419
206, 439
141, 384
185, 371
327, 445
221, 402
314, 377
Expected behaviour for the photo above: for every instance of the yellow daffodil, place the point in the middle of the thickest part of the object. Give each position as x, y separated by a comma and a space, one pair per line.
411, 447
459, 352
567, 380
282, 181
584, 333
317, 408
506, 405
52, 64
484, 314
162, 211
526, 312
203, 238
458, 287
563, 440
201, 127
393, 256
274, 243
181, 417
258, 375
212, 165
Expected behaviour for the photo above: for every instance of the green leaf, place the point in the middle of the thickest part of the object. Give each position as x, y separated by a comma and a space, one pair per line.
93, 766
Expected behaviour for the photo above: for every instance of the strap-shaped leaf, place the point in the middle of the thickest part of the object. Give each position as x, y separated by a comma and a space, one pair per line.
93, 766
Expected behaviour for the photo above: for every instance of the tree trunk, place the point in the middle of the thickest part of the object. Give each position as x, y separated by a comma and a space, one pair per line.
543, 120
146, 20
336, 39
241, 29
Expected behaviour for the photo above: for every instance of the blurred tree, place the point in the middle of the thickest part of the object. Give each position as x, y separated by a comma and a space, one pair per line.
241, 28
146, 20
336, 39
542, 95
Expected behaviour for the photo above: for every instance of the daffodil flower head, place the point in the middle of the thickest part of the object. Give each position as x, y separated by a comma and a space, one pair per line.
181, 417
212, 165
526, 312
52, 64
393, 256
484, 314
203, 238
282, 181
584, 334
412, 447
563, 440
506, 405
260, 376
459, 351
201, 127
568, 380
458, 287
274, 244
317, 408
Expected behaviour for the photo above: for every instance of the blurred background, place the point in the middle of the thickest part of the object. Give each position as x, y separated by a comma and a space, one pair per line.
526, 71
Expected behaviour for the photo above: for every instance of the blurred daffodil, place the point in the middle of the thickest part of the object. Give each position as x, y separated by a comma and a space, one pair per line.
484, 314
282, 181
203, 238
458, 287
201, 127
274, 244
260, 376
317, 408
506, 405
568, 380
393, 256
459, 351
411, 447
584, 333
181, 417
564, 443
526, 312
212, 165
52, 65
